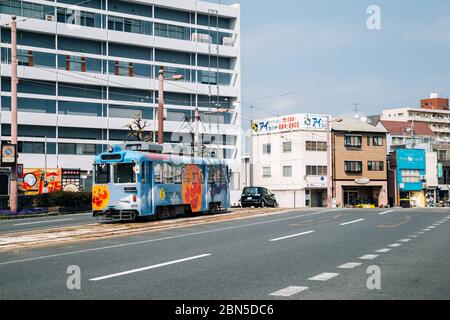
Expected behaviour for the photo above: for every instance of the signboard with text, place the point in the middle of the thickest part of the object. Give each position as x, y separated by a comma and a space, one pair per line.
296, 122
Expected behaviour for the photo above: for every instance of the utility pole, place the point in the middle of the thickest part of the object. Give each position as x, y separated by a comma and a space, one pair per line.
161, 106
196, 133
329, 165
13, 193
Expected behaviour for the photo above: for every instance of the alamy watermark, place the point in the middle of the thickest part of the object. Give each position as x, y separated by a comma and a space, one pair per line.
374, 280
374, 19
74, 280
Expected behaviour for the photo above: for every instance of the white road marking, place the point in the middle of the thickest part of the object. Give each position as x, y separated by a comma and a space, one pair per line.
289, 291
426, 229
168, 238
383, 250
420, 232
368, 257
350, 265
350, 222
149, 267
324, 276
385, 212
413, 236
404, 240
431, 227
291, 236
46, 221
395, 245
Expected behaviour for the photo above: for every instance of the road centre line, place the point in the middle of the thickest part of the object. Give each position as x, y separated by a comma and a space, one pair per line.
291, 236
167, 238
404, 240
395, 245
383, 250
350, 222
114, 275
289, 291
46, 221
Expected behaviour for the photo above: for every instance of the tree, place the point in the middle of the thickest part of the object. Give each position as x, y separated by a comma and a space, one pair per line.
137, 129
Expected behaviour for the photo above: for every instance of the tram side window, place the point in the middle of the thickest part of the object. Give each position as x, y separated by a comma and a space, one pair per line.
157, 170
168, 173
191, 176
177, 174
210, 169
102, 173
224, 173
124, 173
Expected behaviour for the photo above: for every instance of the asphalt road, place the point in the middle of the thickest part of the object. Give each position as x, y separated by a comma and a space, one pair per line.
27, 224
295, 255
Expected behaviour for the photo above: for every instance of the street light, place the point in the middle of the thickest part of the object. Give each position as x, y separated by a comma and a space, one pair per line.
330, 160
161, 79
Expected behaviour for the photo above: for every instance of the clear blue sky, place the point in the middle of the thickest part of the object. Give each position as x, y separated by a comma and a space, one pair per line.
323, 52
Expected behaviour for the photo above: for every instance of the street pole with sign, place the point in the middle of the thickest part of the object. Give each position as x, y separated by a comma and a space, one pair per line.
13, 192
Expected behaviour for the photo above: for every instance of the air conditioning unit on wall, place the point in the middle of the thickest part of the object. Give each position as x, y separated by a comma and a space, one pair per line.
49, 17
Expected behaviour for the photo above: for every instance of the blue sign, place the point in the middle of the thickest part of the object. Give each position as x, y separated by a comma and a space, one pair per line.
411, 169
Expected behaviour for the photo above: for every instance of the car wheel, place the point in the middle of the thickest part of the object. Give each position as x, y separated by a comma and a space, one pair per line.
275, 204
263, 204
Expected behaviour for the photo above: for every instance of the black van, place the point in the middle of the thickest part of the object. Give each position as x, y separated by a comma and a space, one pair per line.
258, 197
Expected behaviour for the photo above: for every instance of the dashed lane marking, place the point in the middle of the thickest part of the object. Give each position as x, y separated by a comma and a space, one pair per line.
395, 245
289, 291
386, 212
383, 250
324, 276
350, 265
404, 240
291, 236
351, 222
149, 267
368, 257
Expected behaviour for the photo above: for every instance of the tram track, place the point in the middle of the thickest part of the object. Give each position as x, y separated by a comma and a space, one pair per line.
102, 230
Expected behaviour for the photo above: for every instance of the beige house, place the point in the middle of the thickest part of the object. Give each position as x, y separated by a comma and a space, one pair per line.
359, 164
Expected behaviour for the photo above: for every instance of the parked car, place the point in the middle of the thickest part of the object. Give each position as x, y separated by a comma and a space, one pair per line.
258, 197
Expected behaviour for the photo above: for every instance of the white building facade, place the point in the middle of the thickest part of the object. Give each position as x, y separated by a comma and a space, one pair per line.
289, 157
87, 67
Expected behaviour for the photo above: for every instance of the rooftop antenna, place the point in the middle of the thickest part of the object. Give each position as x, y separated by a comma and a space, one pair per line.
356, 110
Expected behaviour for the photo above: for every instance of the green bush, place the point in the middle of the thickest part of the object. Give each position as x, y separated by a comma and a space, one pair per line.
63, 199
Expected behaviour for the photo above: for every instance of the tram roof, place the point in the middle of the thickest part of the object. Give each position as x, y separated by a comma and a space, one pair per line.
130, 156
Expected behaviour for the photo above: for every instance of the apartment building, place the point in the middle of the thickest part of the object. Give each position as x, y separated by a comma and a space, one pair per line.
289, 157
359, 164
433, 112
87, 67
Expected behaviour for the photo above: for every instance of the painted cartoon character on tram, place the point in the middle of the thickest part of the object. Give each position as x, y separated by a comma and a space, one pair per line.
192, 187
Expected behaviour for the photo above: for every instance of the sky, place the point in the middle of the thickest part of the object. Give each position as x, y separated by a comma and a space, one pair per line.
319, 56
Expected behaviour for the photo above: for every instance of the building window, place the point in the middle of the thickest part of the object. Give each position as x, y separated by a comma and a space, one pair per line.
353, 141
31, 147
287, 171
75, 63
377, 141
122, 68
316, 146
25, 58
353, 166
267, 172
267, 148
316, 170
410, 176
375, 165
287, 146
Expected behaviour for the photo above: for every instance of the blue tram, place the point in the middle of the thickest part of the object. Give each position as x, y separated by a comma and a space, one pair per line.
138, 180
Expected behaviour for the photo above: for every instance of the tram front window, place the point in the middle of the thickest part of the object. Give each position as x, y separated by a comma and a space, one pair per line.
102, 173
124, 173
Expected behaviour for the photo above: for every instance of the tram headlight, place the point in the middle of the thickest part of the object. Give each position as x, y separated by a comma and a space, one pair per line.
110, 148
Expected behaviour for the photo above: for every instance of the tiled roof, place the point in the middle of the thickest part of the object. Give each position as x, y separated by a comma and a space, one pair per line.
355, 125
400, 127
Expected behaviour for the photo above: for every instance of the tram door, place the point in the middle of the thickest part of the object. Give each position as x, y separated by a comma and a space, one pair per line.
146, 187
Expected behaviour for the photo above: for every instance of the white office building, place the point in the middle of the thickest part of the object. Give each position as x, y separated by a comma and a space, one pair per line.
289, 157
87, 67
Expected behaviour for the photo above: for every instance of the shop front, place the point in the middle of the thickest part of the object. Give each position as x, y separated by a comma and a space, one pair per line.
371, 194
411, 177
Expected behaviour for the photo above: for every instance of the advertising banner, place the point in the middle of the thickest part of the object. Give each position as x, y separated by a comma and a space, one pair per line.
296, 122
38, 181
